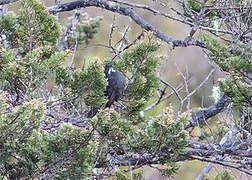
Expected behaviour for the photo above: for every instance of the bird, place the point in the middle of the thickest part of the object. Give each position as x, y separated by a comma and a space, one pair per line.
114, 90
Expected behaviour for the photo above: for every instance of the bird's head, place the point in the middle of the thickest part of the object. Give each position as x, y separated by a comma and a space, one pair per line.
108, 69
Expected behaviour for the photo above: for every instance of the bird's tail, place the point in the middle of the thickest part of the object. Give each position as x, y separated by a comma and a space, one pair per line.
92, 112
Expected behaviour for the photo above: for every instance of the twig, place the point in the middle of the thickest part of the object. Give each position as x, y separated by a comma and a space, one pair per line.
74, 52
186, 77
223, 163
111, 32
161, 99
201, 84
156, 12
206, 169
181, 102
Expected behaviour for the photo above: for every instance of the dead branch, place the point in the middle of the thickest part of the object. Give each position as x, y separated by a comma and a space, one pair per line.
204, 114
2, 2
126, 11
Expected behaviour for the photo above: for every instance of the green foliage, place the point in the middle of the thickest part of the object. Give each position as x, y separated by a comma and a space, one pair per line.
29, 149
70, 152
67, 141
141, 65
113, 127
138, 174
171, 170
238, 64
34, 35
8, 25
162, 134
121, 176
16, 128
27, 73
89, 84
196, 6
219, 53
86, 30
35, 26
25, 149
225, 175
156, 136
239, 91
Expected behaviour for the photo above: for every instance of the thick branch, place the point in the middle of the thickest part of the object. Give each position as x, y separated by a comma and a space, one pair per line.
200, 151
2, 2
202, 115
126, 11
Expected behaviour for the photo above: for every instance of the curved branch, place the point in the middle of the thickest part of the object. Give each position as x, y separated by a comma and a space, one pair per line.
183, 21
126, 11
202, 115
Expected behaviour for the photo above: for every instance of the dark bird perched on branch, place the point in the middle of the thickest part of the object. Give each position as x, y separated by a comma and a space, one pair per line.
114, 90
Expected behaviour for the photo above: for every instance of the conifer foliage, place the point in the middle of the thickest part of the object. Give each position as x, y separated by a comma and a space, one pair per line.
29, 60
44, 129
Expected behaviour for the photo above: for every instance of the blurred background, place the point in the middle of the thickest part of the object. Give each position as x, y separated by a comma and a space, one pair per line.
173, 61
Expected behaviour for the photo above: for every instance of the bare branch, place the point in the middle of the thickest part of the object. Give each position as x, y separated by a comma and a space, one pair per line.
162, 98
2, 2
76, 19
129, 45
206, 169
104, 4
3, 10
200, 85
209, 112
232, 132
223, 163
200, 151
181, 102
184, 20
57, 14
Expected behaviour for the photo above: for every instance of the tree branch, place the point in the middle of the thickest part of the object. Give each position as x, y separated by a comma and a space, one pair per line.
200, 151
126, 11
229, 135
202, 115
2, 2
3, 10
162, 97
71, 28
